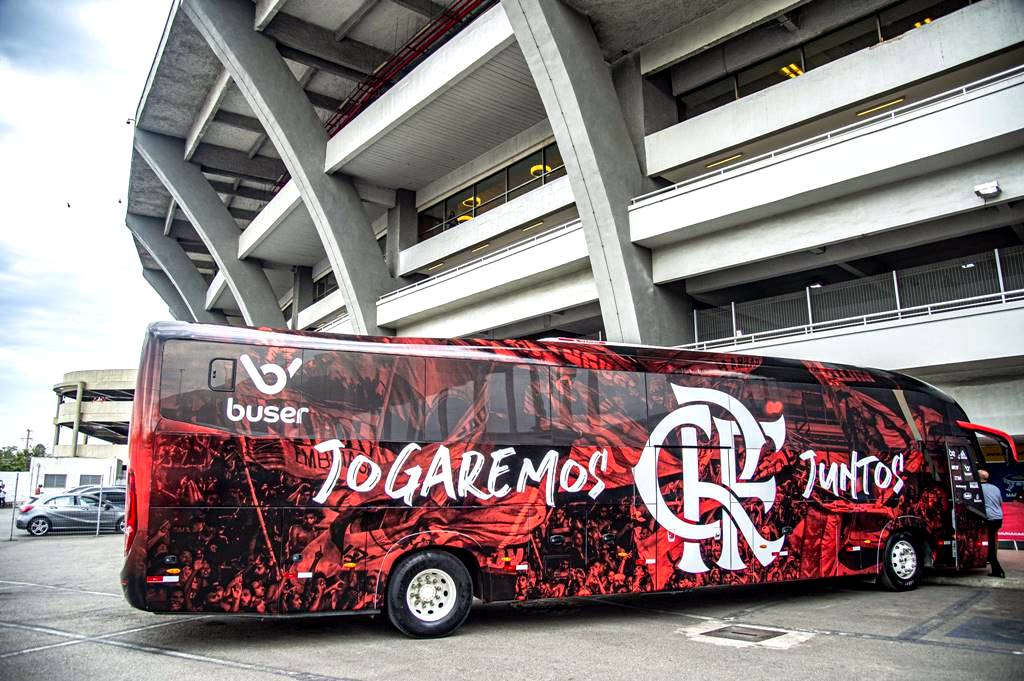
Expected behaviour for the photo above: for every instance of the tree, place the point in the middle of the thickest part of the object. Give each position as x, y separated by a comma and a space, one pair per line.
39, 450
14, 459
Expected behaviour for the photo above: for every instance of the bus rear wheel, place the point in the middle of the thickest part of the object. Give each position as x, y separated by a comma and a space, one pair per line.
429, 594
902, 562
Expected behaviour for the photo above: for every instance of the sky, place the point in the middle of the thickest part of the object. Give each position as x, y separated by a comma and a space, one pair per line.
72, 295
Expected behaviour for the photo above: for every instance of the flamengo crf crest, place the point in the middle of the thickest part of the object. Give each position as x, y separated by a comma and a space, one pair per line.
735, 485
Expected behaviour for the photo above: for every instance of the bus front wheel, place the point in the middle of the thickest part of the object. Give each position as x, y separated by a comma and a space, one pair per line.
902, 562
429, 594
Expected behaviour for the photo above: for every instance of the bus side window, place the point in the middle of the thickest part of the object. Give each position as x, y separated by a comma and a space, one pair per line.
487, 402
590, 402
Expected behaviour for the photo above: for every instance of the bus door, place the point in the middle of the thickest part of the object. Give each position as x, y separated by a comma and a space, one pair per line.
562, 546
323, 551
968, 515
615, 563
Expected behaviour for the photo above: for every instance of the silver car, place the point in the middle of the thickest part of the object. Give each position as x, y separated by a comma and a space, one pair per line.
68, 512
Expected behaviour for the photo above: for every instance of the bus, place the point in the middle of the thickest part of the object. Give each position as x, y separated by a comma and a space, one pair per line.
283, 472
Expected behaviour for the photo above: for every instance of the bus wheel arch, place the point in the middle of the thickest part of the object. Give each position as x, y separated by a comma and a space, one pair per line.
463, 547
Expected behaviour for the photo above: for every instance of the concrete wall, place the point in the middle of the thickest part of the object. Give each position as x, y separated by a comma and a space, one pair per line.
520, 211
99, 379
521, 266
101, 411
73, 468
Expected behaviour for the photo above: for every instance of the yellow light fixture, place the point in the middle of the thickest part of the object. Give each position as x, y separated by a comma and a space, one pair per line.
721, 161
471, 202
886, 105
435, 266
791, 71
479, 248
919, 24
533, 226
464, 218
540, 169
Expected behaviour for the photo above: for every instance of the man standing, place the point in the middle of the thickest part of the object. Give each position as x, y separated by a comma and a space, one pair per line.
994, 515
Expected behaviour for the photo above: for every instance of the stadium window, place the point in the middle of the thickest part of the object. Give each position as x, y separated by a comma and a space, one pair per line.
554, 165
839, 43
778, 69
324, 286
509, 183
907, 16
707, 97
490, 192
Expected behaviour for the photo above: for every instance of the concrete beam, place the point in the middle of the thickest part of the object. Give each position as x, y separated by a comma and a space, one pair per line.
240, 121
579, 97
172, 208
325, 102
238, 163
216, 289
242, 191
319, 42
178, 267
164, 288
211, 219
266, 10
206, 114
353, 19
299, 137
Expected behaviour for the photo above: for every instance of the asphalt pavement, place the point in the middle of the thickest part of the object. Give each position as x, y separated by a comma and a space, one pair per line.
62, 617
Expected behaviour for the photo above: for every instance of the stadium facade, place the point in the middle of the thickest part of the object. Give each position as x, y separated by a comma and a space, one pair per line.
828, 179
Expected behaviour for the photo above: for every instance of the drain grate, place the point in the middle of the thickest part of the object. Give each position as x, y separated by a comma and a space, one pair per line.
736, 632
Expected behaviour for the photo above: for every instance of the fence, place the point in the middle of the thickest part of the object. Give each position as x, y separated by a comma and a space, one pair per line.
982, 279
84, 512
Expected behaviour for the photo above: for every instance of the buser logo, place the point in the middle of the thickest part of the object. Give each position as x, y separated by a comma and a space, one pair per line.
267, 413
280, 377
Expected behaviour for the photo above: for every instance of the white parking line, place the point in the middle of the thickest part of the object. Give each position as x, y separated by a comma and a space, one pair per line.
62, 588
79, 638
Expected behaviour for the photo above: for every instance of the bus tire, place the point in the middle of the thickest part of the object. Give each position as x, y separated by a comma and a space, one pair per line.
429, 594
902, 562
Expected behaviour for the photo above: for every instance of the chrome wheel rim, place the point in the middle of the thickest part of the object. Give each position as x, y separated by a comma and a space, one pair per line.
431, 595
120, 525
904, 559
37, 527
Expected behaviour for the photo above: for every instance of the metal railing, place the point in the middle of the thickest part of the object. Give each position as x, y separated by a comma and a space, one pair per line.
838, 133
505, 252
991, 278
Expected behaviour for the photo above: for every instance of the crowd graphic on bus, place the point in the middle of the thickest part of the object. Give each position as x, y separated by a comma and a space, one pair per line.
249, 536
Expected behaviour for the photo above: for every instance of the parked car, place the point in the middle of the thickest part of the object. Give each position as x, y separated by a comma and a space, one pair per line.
114, 495
68, 512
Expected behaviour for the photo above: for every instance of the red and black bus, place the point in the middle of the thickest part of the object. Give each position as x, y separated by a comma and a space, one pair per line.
284, 472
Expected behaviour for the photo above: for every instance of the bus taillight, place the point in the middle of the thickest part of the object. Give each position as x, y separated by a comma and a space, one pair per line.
130, 513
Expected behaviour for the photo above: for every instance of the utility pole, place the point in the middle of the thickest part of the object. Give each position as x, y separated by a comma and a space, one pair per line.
28, 437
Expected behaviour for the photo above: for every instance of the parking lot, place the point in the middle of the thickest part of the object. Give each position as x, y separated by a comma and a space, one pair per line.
63, 618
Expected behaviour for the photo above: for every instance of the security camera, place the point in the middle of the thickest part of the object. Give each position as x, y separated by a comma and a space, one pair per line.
989, 190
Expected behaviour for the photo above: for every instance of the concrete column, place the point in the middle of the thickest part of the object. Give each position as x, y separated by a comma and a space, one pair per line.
579, 97
278, 100
78, 418
302, 292
56, 423
647, 106
211, 219
164, 287
179, 270
403, 224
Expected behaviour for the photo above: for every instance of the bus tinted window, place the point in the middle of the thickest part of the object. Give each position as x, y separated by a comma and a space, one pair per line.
471, 401
366, 396
599, 405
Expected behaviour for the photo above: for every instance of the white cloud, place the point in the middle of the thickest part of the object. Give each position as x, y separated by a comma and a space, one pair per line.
72, 294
